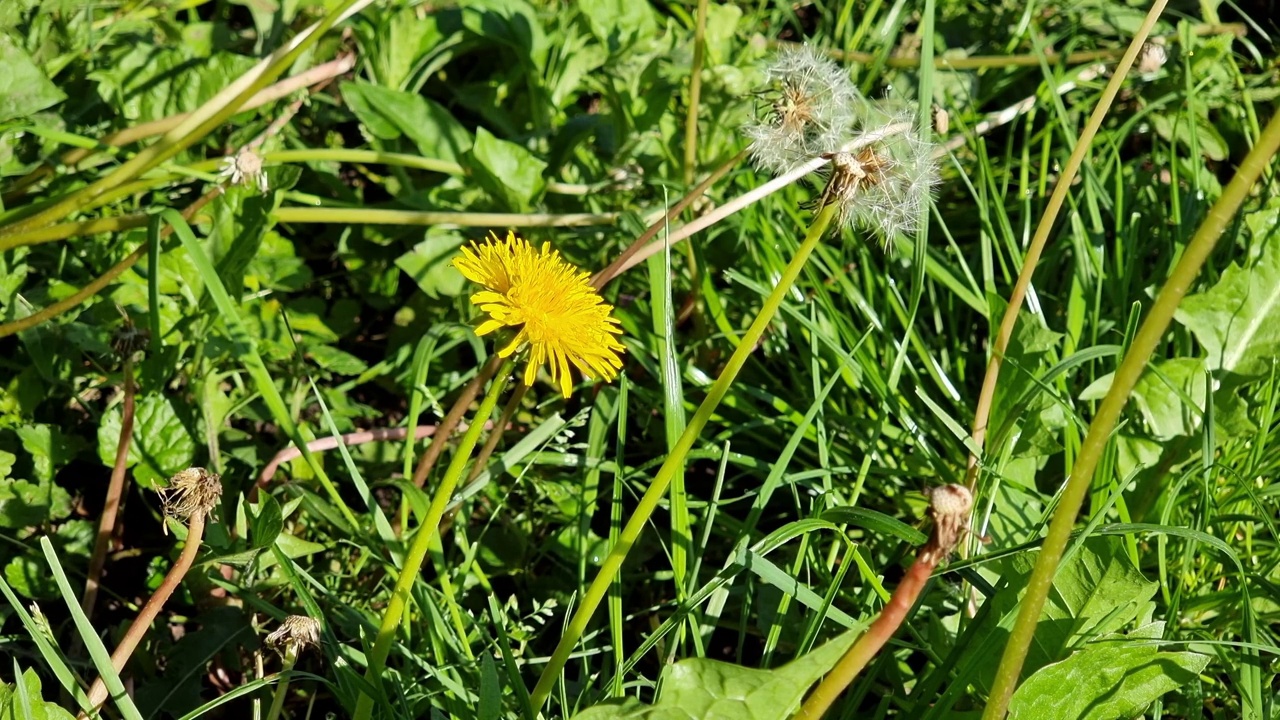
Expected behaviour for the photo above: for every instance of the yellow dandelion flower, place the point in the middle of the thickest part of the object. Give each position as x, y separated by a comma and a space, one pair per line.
560, 316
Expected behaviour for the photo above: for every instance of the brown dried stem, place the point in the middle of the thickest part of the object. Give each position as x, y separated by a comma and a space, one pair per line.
115, 490
141, 624
949, 507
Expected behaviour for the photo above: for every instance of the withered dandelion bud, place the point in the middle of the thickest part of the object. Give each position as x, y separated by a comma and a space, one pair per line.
192, 492
949, 506
295, 634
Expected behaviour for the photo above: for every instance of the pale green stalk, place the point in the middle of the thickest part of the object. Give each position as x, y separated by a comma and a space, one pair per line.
675, 460
986, 396
1131, 368
288, 660
371, 216
399, 602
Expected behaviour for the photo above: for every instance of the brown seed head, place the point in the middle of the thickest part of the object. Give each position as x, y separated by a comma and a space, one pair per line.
949, 506
294, 635
194, 491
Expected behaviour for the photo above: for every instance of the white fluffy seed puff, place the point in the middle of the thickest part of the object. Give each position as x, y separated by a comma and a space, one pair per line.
885, 186
813, 108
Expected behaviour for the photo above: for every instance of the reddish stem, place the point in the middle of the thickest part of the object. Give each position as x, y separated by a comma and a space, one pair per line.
142, 623
115, 490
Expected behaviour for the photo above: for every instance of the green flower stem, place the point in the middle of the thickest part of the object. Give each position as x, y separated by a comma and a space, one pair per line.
371, 157
412, 217
986, 396
396, 607
695, 93
675, 460
1131, 367
289, 659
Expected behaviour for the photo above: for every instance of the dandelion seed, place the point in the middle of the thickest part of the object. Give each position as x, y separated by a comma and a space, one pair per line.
814, 106
194, 491
295, 634
245, 168
561, 318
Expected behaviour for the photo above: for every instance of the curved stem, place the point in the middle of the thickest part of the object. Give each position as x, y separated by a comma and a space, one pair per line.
142, 623
982, 411
1127, 374
115, 490
883, 628
399, 602
675, 460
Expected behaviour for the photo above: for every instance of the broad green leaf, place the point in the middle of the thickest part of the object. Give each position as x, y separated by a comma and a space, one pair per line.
1098, 591
267, 522
618, 23
336, 361
701, 689
722, 32
162, 444
24, 503
508, 172
48, 447
405, 36
149, 82
429, 264
1237, 321
1104, 681
30, 579
1171, 397
11, 702
24, 89
389, 114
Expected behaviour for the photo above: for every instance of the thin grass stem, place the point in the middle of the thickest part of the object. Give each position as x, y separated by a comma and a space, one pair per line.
982, 411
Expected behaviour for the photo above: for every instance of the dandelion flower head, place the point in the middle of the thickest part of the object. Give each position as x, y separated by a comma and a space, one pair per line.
559, 315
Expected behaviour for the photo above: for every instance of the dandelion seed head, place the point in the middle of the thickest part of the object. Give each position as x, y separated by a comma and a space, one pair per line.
814, 106
885, 186
949, 506
555, 311
192, 492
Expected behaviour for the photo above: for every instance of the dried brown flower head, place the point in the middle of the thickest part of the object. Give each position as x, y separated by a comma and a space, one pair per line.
949, 506
294, 635
194, 491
